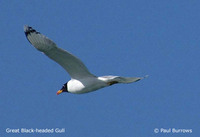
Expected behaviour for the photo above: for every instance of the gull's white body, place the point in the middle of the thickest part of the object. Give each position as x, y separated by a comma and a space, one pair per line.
85, 85
82, 81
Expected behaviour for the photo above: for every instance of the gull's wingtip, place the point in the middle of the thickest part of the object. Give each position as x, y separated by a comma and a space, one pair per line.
26, 28
145, 77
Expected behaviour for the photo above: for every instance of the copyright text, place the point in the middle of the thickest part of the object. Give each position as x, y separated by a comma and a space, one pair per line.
172, 130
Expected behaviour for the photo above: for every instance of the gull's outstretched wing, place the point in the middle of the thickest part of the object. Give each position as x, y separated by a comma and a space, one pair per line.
69, 62
128, 79
117, 79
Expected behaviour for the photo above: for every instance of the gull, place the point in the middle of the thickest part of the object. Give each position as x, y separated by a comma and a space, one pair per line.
82, 81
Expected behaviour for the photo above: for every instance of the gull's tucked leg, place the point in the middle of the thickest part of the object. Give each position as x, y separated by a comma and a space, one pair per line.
112, 82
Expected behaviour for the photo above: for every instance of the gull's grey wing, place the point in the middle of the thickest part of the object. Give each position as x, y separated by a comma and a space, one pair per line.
117, 79
69, 62
127, 79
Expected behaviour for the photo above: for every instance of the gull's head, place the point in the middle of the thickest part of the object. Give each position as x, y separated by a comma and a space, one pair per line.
63, 89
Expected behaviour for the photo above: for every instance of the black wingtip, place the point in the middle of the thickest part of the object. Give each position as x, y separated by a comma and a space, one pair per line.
28, 30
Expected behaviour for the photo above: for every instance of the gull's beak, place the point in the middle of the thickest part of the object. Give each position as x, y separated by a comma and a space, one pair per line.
59, 91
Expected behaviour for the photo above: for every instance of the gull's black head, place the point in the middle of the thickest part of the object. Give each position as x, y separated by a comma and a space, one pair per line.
63, 89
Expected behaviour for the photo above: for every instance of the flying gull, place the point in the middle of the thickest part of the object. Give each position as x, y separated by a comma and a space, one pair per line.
82, 81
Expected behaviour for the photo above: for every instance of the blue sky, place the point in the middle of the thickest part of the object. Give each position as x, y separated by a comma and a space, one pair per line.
112, 37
